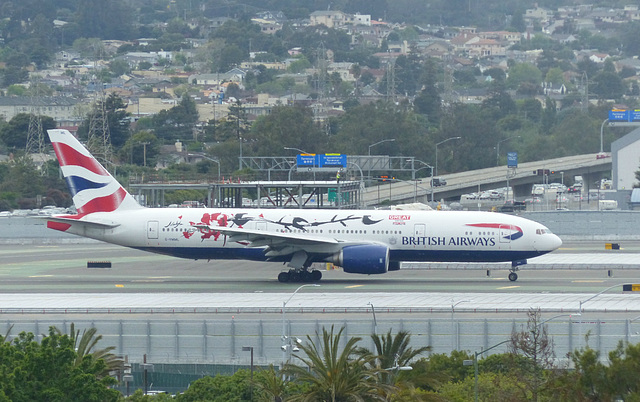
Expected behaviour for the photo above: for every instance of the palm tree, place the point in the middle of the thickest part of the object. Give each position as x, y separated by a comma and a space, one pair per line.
272, 385
84, 347
393, 352
335, 375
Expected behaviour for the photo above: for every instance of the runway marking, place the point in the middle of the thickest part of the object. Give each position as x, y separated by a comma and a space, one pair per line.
508, 287
353, 286
585, 281
40, 276
160, 277
147, 280
119, 285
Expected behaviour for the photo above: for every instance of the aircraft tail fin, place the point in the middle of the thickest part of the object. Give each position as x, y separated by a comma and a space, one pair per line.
91, 185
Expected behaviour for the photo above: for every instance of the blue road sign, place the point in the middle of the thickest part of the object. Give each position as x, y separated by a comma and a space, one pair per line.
619, 115
307, 160
332, 161
512, 159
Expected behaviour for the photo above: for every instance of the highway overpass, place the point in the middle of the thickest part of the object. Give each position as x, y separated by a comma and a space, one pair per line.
521, 179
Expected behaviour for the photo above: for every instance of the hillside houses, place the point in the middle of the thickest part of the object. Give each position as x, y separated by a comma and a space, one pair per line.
459, 47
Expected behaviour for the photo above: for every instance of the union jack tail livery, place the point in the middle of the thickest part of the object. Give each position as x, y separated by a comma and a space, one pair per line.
92, 187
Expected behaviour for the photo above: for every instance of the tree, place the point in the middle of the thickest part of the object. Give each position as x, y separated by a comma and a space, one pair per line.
608, 85
334, 374
393, 351
117, 119
270, 383
141, 149
85, 347
286, 126
221, 388
178, 122
46, 371
523, 72
14, 133
536, 346
119, 67
428, 101
593, 380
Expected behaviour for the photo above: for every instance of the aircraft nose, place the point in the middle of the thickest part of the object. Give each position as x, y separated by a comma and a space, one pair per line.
556, 242
548, 242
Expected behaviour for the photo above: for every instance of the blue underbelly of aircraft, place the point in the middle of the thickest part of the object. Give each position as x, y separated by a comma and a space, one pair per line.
256, 254
462, 255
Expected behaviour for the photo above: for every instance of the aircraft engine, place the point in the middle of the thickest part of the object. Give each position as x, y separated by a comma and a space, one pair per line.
363, 259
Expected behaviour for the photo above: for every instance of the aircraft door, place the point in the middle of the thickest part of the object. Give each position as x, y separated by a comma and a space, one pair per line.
152, 230
505, 234
419, 236
261, 226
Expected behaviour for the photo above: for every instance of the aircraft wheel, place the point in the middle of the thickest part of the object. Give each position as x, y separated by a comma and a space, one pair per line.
316, 276
513, 276
283, 277
305, 276
294, 276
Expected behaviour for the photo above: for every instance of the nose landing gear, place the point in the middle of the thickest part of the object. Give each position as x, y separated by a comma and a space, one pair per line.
515, 267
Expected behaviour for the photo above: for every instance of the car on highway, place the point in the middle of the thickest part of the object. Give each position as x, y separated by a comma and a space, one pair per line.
438, 181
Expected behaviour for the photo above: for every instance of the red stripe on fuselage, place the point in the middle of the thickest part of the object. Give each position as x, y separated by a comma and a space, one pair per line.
495, 226
68, 156
107, 203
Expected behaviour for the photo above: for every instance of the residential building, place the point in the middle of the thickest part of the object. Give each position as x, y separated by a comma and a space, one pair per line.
61, 109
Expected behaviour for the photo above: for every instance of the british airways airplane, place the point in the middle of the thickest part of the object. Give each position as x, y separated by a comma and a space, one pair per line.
359, 241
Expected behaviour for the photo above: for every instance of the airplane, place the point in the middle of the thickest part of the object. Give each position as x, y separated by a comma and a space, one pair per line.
359, 241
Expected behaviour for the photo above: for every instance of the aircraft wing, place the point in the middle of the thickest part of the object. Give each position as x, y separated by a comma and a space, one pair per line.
280, 243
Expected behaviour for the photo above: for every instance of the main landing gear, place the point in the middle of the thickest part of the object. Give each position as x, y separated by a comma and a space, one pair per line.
300, 263
299, 275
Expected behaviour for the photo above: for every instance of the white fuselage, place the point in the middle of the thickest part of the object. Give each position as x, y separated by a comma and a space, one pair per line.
409, 235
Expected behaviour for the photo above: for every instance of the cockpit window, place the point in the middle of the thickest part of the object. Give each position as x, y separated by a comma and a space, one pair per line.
543, 231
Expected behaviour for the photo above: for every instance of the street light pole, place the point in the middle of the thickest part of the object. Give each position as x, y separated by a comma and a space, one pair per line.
373, 145
250, 349
375, 322
296, 165
498, 148
442, 142
209, 159
454, 333
476, 354
380, 142
144, 152
602, 135
582, 302
286, 341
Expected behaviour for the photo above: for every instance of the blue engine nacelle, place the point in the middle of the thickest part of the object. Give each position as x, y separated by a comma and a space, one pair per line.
363, 259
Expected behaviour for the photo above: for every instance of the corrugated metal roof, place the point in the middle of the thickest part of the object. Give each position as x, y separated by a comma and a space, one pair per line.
314, 301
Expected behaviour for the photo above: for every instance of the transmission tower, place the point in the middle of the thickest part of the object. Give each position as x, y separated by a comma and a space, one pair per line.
584, 86
99, 137
321, 87
448, 95
35, 134
391, 80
